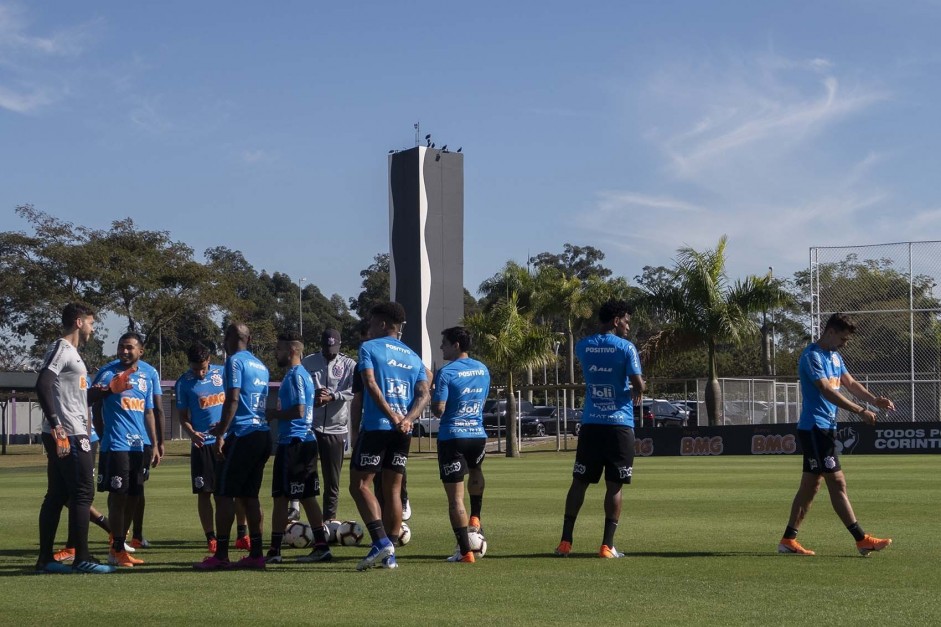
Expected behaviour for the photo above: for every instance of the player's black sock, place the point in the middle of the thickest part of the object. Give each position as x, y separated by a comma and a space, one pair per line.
610, 527
394, 539
117, 543
857, 531
102, 521
463, 542
255, 539
210, 535
568, 527
477, 501
241, 531
222, 548
376, 531
790, 533
276, 538
320, 535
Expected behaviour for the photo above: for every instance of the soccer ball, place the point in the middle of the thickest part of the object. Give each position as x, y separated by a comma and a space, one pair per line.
349, 533
332, 527
478, 543
298, 535
405, 535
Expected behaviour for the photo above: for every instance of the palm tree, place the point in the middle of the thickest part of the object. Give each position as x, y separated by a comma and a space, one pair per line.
507, 339
703, 309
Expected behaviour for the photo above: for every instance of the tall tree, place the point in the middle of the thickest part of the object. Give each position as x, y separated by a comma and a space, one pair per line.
580, 262
509, 340
706, 310
375, 286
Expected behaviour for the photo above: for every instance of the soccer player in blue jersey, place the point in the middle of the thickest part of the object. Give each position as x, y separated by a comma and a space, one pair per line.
62, 389
243, 451
137, 528
127, 434
295, 462
461, 387
395, 394
199, 397
823, 376
613, 390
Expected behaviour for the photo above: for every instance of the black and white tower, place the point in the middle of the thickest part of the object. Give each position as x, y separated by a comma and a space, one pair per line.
426, 242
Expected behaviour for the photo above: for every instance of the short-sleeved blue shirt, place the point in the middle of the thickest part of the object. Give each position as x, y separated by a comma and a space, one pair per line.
246, 372
815, 364
123, 414
608, 361
397, 369
463, 386
297, 388
203, 398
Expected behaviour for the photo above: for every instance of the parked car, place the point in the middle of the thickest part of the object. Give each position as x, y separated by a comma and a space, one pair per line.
495, 414
550, 417
665, 414
426, 426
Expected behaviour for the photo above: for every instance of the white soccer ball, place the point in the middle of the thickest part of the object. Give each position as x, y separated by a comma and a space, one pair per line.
298, 535
478, 543
349, 533
405, 535
332, 527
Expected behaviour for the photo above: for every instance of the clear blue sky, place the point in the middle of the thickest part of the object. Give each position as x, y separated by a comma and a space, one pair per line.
636, 127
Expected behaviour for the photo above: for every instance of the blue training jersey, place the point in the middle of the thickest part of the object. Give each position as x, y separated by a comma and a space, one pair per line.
203, 398
608, 361
245, 372
462, 386
815, 364
397, 370
123, 414
297, 388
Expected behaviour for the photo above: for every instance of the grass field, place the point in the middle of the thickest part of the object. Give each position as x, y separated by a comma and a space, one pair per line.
699, 533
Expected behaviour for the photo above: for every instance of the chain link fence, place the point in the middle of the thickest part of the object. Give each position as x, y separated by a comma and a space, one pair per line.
889, 290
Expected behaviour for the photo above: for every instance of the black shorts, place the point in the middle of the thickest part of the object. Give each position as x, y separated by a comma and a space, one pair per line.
378, 450
604, 447
148, 459
121, 472
244, 464
295, 470
456, 457
203, 469
819, 447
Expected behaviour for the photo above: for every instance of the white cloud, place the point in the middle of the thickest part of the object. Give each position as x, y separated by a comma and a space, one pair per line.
252, 156
24, 101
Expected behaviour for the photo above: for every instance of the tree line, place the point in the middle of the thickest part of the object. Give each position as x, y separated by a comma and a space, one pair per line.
691, 320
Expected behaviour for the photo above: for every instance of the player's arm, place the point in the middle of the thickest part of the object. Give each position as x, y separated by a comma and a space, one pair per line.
858, 390
419, 402
158, 421
229, 407
439, 399
150, 425
437, 408
45, 386
835, 397
186, 424
356, 416
291, 413
372, 388
97, 418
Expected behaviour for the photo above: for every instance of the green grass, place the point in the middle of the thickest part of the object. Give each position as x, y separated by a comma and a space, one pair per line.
700, 534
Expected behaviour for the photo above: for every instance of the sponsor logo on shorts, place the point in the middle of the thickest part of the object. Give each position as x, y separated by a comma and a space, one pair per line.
579, 469
399, 460
625, 472
829, 462
199, 483
481, 457
85, 444
369, 460
451, 469
116, 483
317, 485
812, 463
296, 487
101, 479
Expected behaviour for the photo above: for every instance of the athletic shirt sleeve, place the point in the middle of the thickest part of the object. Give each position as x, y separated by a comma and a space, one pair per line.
365, 358
233, 373
813, 367
632, 359
441, 387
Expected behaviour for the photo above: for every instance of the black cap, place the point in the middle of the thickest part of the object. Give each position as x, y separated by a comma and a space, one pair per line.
330, 342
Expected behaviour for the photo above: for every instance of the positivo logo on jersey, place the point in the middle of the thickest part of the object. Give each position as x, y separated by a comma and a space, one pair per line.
451, 469
399, 460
